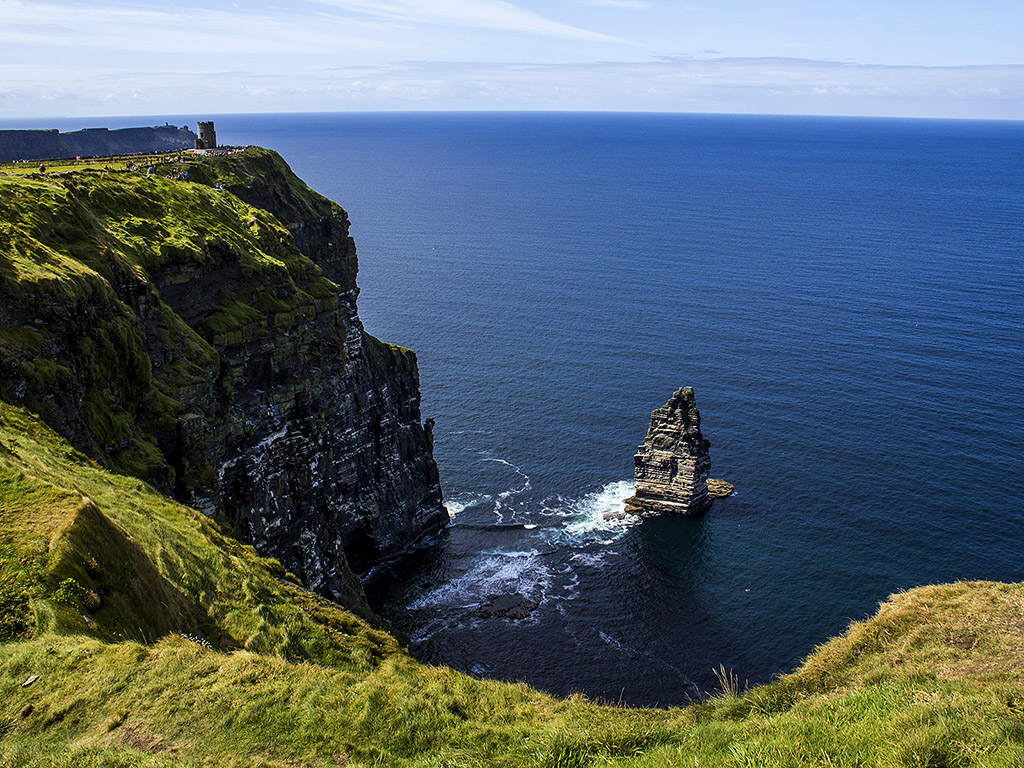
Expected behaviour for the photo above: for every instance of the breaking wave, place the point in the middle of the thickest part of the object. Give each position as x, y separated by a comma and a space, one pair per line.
461, 503
600, 515
494, 573
534, 553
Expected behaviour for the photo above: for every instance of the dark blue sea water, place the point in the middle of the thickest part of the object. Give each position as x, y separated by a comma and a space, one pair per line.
846, 296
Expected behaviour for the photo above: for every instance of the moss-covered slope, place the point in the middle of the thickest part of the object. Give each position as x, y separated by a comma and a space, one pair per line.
88, 341
158, 641
85, 551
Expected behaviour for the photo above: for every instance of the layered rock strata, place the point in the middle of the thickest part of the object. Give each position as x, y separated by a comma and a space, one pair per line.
672, 464
719, 489
204, 335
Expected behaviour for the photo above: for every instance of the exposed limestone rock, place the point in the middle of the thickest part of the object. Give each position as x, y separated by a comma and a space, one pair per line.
672, 464
719, 489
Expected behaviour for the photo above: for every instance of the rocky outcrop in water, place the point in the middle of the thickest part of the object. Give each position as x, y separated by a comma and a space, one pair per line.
719, 489
216, 351
672, 464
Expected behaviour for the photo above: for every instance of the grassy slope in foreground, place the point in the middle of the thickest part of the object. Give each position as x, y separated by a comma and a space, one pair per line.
158, 641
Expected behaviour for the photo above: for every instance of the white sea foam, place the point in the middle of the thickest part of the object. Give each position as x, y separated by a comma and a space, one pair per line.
595, 518
602, 512
571, 586
463, 502
613, 642
503, 499
512, 491
590, 559
492, 573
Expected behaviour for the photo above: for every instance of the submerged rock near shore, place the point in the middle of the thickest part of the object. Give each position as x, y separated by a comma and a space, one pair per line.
673, 462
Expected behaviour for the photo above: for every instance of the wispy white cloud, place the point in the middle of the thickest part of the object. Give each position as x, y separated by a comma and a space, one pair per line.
773, 86
77, 57
347, 31
627, 4
487, 14
145, 31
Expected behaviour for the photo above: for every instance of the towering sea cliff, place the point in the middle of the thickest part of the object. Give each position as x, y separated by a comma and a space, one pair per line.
203, 335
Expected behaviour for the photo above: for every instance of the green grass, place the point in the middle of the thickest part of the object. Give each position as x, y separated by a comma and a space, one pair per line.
99, 246
160, 641
231, 315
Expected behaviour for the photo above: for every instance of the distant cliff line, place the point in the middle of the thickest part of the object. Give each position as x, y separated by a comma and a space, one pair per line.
51, 144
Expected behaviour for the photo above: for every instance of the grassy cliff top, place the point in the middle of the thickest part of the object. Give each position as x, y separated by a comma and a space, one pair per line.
157, 640
107, 246
256, 174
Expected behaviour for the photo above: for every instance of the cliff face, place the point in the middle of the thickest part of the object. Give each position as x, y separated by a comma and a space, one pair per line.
208, 341
47, 144
673, 462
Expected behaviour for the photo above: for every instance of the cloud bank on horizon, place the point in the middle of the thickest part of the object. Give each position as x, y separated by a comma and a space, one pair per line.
935, 59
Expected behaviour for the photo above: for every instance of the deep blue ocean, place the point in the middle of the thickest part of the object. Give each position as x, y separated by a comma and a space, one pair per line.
846, 297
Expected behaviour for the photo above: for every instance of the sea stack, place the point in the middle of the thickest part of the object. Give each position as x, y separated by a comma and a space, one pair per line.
673, 462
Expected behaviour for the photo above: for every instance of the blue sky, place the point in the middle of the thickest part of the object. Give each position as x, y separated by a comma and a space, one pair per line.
846, 57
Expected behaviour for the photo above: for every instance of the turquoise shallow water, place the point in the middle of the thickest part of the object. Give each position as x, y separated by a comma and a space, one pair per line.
846, 296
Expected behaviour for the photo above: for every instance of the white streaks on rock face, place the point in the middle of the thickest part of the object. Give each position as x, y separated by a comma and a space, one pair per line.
672, 464
318, 451
347, 479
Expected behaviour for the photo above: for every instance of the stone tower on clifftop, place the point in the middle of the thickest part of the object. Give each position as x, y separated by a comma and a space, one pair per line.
673, 462
206, 137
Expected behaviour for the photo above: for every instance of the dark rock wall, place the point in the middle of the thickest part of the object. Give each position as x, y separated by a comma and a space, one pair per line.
32, 145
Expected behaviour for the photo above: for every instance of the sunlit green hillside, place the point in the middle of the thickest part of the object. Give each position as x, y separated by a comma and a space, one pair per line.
158, 640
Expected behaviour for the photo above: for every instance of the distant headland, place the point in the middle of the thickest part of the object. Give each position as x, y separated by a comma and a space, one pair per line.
51, 144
